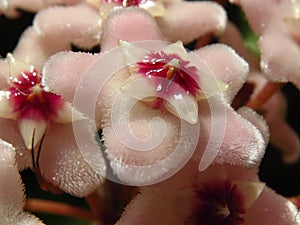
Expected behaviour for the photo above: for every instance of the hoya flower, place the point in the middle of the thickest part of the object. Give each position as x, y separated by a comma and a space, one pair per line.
39, 124
171, 80
187, 21
197, 19
131, 165
222, 194
281, 134
276, 22
12, 191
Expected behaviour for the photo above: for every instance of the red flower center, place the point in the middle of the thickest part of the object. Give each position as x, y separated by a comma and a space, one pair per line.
126, 3
173, 68
220, 203
29, 99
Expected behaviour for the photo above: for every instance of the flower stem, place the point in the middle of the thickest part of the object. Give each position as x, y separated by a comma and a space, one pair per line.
109, 201
263, 97
295, 200
57, 208
95, 203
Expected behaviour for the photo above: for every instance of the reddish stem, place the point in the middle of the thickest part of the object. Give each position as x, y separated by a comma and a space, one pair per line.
203, 41
266, 93
57, 208
295, 200
94, 201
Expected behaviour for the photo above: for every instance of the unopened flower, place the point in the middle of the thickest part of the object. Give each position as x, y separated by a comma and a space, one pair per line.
12, 191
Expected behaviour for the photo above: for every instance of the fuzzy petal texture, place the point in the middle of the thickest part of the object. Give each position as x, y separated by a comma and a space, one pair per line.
58, 160
257, 120
59, 64
220, 57
129, 163
175, 201
270, 209
56, 22
35, 50
135, 166
62, 164
277, 63
240, 143
12, 190
187, 21
119, 26
276, 22
274, 110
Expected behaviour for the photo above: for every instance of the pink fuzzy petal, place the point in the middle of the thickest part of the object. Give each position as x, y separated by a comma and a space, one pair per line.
167, 202
186, 21
10, 132
131, 162
280, 64
257, 120
271, 19
34, 50
241, 142
56, 22
63, 165
226, 65
11, 190
272, 209
129, 25
259, 13
66, 63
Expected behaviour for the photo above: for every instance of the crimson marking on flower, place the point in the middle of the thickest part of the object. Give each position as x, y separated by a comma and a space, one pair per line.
172, 67
224, 201
168, 80
29, 99
220, 203
26, 101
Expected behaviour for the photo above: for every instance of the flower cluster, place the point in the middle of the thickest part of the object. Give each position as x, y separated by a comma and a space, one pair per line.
179, 134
